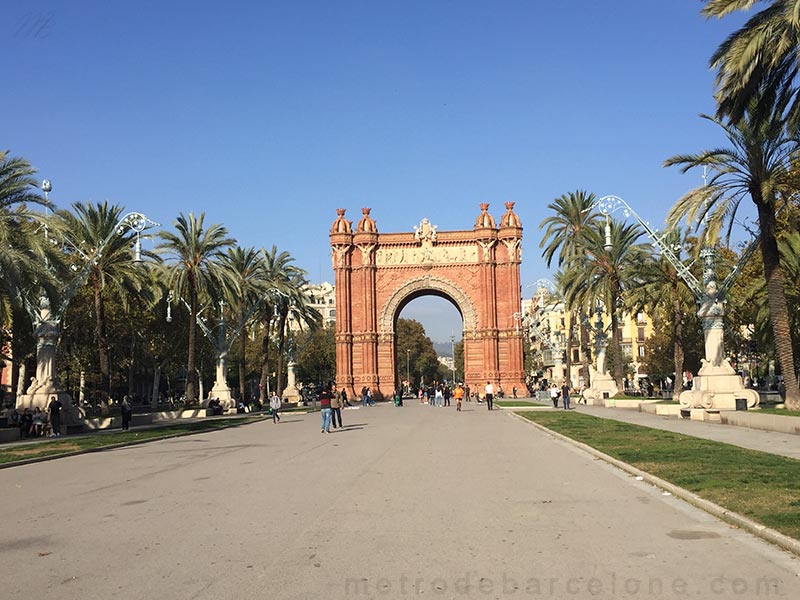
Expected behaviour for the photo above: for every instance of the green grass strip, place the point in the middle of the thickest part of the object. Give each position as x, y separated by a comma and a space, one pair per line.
513, 403
778, 411
764, 487
82, 443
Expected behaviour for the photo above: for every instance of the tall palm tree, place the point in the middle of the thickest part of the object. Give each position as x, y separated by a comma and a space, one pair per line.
294, 305
660, 289
603, 272
192, 267
248, 284
758, 166
761, 57
21, 261
564, 239
278, 269
86, 228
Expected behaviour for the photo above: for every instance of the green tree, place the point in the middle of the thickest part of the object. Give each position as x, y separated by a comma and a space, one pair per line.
759, 59
410, 335
316, 356
246, 289
92, 234
564, 238
22, 262
758, 166
278, 270
604, 272
661, 291
192, 267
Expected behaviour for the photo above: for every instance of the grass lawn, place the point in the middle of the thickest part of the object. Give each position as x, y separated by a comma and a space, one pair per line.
65, 445
761, 486
780, 411
518, 402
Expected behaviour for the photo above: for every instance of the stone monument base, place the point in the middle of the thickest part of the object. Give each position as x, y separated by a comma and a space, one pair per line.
718, 388
603, 386
223, 393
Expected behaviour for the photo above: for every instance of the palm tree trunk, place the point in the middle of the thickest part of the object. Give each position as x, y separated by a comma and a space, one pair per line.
104, 386
778, 307
677, 330
191, 372
281, 380
568, 347
616, 339
242, 350
586, 355
262, 395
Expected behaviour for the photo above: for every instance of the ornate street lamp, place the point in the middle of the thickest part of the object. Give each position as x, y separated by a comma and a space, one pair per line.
717, 386
46, 318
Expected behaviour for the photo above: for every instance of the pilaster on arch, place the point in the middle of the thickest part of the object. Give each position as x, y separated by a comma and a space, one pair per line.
427, 283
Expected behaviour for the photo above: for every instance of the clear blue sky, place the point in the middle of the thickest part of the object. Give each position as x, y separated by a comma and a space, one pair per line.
267, 116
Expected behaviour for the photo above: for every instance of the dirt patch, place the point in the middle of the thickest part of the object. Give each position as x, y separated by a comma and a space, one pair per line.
48, 448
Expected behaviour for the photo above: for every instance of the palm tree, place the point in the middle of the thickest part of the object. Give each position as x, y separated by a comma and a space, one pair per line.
85, 229
193, 269
248, 284
603, 272
759, 58
294, 305
278, 271
564, 238
21, 261
660, 289
758, 166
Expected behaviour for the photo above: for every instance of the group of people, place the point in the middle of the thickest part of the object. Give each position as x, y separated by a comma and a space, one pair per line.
36, 422
332, 401
563, 393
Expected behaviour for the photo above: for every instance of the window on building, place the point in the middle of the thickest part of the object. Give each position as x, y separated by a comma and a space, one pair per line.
576, 356
332, 313
641, 351
640, 332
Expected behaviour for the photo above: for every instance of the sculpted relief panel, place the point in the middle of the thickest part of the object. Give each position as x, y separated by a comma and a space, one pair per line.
426, 254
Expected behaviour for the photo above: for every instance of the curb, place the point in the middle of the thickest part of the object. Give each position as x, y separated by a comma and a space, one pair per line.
38, 459
762, 531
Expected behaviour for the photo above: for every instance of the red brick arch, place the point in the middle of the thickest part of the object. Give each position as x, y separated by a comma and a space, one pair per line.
377, 274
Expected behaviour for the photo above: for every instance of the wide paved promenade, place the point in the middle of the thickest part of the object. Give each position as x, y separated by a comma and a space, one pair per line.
403, 503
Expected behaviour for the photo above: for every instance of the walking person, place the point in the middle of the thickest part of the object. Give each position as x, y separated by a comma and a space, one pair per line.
446, 393
489, 395
565, 395
439, 397
325, 405
336, 407
458, 393
274, 407
127, 411
54, 408
554, 393
364, 397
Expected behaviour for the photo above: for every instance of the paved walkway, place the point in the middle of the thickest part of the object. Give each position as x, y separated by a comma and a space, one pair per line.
404, 502
784, 444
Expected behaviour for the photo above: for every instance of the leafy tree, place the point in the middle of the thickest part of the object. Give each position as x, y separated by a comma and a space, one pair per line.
316, 356
758, 59
661, 291
192, 268
604, 272
91, 233
758, 166
564, 238
410, 335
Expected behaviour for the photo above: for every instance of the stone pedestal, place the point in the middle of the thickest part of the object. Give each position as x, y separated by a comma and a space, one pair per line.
291, 393
602, 385
718, 388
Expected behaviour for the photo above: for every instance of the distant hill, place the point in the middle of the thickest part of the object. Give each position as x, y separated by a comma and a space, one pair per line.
443, 348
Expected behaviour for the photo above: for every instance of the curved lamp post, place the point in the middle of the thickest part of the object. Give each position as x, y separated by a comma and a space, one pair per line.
717, 386
46, 319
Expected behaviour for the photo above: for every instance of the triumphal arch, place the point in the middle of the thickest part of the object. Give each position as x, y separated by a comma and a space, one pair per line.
378, 274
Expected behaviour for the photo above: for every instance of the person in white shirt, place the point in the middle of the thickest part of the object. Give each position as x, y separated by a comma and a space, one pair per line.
489, 394
275, 406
